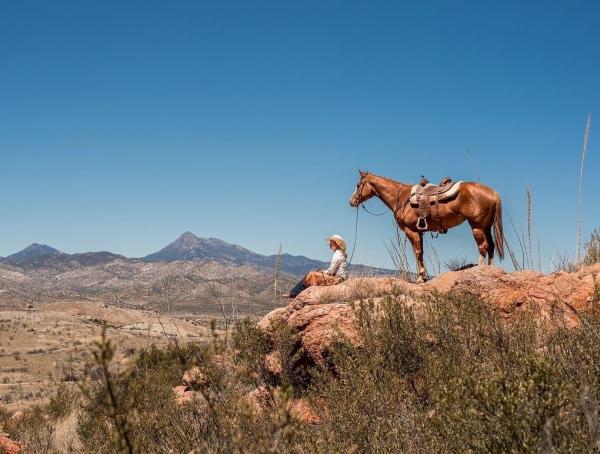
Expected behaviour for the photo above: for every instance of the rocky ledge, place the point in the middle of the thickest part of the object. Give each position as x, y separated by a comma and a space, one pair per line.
321, 314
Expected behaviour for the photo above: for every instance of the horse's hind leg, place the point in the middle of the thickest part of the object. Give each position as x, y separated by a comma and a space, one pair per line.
491, 245
482, 242
416, 239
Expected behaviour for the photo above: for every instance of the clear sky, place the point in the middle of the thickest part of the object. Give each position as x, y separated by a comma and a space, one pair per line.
123, 124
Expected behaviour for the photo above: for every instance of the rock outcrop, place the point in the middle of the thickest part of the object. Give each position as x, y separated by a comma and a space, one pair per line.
9, 446
320, 314
194, 382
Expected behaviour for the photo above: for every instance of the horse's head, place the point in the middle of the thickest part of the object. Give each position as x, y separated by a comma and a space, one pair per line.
364, 190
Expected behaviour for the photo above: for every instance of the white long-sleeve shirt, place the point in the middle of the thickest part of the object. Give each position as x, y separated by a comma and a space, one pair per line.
339, 265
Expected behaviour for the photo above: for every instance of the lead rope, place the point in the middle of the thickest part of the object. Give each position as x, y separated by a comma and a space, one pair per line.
371, 213
355, 236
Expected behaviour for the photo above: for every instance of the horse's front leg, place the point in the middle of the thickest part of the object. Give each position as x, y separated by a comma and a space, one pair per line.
416, 239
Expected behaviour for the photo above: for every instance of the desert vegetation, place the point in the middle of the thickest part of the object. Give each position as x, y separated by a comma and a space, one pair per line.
448, 375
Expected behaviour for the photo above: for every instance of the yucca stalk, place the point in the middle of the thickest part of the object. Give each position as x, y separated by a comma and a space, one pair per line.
584, 148
529, 206
277, 270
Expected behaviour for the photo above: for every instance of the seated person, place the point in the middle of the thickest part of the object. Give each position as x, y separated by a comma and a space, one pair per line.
335, 274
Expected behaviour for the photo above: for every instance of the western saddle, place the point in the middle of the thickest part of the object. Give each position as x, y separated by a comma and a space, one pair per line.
425, 194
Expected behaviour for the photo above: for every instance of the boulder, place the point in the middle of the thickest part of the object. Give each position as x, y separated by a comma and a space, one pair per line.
183, 395
320, 325
273, 363
260, 400
9, 446
195, 379
303, 411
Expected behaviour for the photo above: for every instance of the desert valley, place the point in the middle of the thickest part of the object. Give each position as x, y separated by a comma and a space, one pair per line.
53, 304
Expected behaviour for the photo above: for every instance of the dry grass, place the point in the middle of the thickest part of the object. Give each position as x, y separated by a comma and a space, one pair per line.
40, 349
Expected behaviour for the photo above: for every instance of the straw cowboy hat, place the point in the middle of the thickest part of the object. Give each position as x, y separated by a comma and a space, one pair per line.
337, 240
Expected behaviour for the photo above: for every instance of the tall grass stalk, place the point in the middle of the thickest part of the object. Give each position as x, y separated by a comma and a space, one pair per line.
584, 148
277, 270
472, 162
529, 206
397, 249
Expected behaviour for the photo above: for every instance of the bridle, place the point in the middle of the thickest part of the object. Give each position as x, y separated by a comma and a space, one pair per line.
358, 192
362, 203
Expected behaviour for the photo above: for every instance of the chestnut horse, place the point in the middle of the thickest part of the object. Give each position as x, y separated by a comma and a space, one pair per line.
476, 203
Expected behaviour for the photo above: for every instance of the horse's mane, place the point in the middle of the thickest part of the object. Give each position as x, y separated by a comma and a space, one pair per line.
391, 180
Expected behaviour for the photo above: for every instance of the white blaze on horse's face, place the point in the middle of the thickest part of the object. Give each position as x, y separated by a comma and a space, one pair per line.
354, 197
357, 196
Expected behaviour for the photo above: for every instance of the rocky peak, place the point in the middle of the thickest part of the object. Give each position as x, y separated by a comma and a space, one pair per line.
186, 241
32, 251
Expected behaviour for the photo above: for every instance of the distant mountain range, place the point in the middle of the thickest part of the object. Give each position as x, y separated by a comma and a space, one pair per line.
192, 274
188, 247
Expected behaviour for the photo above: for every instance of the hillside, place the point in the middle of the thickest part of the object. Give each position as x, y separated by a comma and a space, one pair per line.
478, 359
190, 286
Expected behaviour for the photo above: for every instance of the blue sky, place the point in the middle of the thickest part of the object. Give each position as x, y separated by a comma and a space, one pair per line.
123, 124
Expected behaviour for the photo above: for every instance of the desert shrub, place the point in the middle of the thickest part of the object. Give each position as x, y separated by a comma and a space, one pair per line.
63, 402
136, 409
33, 429
251, 344
451, 376
592, 249
457, 263
447, 374
142, 415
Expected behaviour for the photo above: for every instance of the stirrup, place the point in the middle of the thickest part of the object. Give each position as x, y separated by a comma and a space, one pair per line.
422, 223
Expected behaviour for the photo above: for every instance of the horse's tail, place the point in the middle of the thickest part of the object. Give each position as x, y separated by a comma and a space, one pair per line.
498, 230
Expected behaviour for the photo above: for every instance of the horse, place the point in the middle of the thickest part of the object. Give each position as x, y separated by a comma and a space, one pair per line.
476, 203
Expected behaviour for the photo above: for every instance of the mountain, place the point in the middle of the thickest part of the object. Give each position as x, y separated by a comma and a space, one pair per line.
189, 247
32, 251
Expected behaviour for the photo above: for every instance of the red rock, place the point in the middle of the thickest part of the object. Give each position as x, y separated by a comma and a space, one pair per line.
9, 446
273, 363
321, 324
183, 395
275, 316
321, 314
304, 412
195, 379
259, 399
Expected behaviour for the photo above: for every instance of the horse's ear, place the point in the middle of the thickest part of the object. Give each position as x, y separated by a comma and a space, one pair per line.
362, 174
